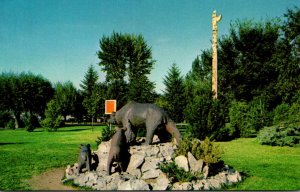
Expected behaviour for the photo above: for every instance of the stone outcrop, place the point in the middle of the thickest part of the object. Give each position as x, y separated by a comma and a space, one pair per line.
143, 171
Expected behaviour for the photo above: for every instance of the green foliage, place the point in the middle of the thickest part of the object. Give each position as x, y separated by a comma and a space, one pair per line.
126, 57
24, 92
66, 97
174, 94
206, 150
5, 117
286, 127
286, 135
10, 124
247, 119
281, 113
30, 121
53, 119
178, 174
106, 135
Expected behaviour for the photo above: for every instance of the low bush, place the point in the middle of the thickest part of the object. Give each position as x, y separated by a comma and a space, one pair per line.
106, 135
206, 150
30, 121
178, 174
10, 124
285, 135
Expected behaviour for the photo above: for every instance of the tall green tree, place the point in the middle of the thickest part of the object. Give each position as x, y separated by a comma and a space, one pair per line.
66, 97
89, 82
174, 93
127, 61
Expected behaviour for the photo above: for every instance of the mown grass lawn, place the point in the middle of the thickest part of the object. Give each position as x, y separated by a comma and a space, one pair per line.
267, 167
23, 154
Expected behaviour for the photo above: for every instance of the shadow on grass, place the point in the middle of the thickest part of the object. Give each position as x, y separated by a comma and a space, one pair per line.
74, 130
11, 143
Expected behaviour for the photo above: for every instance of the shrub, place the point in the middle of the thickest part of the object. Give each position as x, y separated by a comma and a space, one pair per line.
247, 119
53, 119
286, 135
281, 113
5, 117
206, 116
10, 124
106, 135
206, 150
30, 121
178, 174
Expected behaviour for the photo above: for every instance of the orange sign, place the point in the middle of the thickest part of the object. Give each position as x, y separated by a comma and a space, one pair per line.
110, 106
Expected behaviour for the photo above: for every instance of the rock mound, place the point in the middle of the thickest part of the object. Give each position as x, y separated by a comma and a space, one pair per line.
143, 171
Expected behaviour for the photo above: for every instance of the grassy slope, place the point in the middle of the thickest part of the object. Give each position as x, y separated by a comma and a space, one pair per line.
23, 154
269, 168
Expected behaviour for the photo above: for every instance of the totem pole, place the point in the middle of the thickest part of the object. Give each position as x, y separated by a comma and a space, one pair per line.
215, 20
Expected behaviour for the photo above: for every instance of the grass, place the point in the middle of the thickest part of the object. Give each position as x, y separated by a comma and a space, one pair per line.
267, 167
23, 154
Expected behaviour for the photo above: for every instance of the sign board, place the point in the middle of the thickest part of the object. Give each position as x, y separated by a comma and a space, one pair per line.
110, 106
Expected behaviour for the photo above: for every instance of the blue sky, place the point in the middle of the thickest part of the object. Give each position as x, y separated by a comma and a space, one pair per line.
59, 38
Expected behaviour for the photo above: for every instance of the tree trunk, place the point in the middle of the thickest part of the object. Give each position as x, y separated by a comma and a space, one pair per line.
17, 119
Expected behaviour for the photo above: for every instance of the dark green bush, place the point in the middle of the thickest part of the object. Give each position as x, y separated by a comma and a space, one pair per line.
5, 117
106, 135
247, 119
178, 174
10, 124
206, 116
285, 135
30, 121
281, 113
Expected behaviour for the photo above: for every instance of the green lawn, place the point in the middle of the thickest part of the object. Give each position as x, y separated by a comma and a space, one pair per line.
23, 154
267, 167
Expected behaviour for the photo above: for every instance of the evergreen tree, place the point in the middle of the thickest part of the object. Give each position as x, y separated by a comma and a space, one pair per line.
174, 93
89, 82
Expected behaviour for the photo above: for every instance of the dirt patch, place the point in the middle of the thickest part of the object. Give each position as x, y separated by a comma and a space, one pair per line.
49, 180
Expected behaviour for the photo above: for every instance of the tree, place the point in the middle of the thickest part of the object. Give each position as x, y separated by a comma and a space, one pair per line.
174, 93
53, 116
66, 97
89, 82
127, 60
24, 92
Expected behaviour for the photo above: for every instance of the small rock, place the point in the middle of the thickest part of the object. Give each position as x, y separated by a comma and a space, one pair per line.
151, 174
133, 185
195, 165
182, 162
198, 185
150, 164
162, 182
136, 160
205, 171
234, 177
182, 186
215, 183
